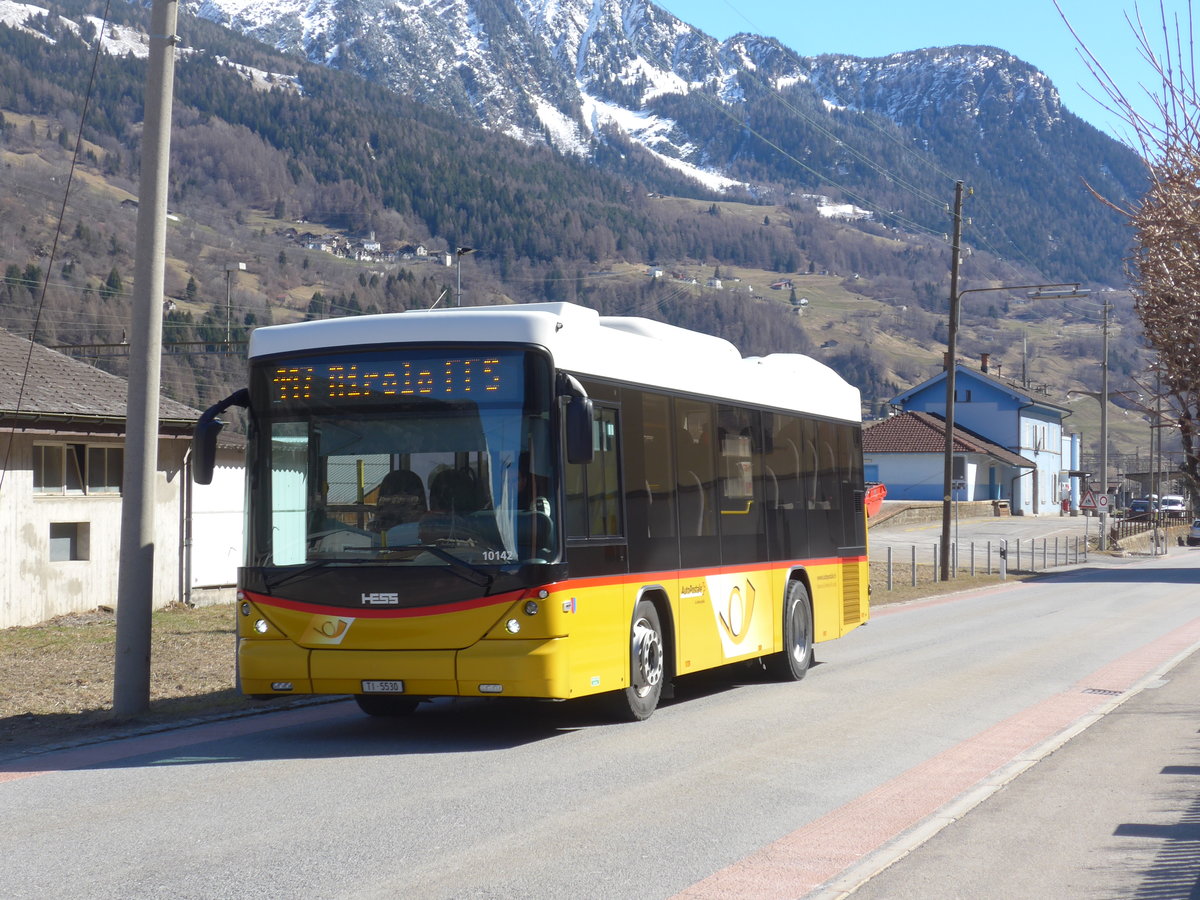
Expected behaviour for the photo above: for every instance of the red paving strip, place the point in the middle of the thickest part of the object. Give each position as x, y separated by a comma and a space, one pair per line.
114, 751
804, 860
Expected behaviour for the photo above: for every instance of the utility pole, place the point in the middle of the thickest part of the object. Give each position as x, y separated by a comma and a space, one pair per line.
951, 342
1156, 478
229, 270
1103, 542
135, 581
459, 254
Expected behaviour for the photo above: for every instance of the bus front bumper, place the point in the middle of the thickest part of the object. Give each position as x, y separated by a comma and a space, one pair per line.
509, 668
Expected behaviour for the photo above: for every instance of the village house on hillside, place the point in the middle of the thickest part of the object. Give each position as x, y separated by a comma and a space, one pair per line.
62, 432
368, 249
1013, 418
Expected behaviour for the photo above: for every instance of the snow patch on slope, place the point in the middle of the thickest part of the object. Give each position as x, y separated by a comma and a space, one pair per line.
563, 131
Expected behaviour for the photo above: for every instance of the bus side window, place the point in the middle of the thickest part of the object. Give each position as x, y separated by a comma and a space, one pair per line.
648, 475
738, 454
695, 469
593, 490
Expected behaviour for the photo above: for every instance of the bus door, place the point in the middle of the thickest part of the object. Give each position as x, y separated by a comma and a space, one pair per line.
596, 549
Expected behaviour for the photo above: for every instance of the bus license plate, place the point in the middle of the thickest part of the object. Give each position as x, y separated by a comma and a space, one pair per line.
383, 687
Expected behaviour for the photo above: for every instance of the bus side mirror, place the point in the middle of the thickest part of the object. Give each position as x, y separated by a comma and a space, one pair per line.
204, 438
580, 448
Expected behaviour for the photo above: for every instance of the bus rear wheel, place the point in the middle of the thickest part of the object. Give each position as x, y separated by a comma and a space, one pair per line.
791, 664
386, 704
647, 666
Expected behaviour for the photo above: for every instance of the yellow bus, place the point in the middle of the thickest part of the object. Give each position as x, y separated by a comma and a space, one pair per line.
537, 501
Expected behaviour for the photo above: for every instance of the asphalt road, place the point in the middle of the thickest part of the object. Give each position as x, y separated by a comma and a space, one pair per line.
984, 529
1033, 541
737, 788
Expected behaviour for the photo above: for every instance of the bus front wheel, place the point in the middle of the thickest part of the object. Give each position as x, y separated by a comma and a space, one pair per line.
647, 666
791, 664
386, 704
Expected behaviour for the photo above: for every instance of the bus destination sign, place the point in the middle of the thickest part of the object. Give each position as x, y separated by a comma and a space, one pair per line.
362, 380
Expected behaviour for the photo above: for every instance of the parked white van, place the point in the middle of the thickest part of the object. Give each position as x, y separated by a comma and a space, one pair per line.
1174, 506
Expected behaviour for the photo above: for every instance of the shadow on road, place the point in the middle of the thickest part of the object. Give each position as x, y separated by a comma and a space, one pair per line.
1123, 575
337, 728
1176, 868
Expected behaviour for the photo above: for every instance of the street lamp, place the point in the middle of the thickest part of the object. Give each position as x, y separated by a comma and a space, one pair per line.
459, 254
229, 270
1060, 291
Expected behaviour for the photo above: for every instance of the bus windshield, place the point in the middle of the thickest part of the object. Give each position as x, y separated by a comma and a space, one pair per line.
410, 457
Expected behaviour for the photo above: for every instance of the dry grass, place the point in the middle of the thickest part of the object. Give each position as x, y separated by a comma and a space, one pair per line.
56, 679
927, 585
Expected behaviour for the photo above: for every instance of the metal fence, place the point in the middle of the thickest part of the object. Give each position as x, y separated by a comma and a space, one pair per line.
1124, 528
920, 563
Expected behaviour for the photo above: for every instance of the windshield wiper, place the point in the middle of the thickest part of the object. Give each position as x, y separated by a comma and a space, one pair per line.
476, 576
306, 570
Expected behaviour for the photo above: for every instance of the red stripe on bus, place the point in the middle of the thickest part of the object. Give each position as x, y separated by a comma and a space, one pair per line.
567, 585
650, 577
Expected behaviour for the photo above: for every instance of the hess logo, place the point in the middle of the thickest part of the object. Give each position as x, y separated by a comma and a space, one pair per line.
381, 599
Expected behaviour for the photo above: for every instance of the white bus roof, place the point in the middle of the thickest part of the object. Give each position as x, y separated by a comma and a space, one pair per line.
580, 340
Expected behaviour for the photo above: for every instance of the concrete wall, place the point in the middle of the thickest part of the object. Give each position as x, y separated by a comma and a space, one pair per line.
900, 514
36, 587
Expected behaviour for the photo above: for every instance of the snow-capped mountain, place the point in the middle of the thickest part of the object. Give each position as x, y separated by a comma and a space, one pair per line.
539, 71
564, 71
979, 84
629, 88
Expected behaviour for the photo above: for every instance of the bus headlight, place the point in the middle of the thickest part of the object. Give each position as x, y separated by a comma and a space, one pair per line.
261, 626
531, 608
512, 626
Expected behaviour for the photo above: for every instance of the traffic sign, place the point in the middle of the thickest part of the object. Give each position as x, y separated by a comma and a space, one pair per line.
1088, 501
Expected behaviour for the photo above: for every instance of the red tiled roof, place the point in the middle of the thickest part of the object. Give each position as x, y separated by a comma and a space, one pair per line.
921, 432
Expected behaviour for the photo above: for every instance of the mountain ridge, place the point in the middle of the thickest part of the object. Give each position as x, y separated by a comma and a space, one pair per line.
261, 140
579, 74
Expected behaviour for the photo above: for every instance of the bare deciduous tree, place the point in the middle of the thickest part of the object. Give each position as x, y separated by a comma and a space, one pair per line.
1164, 265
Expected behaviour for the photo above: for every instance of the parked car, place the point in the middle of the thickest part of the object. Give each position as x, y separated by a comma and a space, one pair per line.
1193, 537
1140, 509
1173, 505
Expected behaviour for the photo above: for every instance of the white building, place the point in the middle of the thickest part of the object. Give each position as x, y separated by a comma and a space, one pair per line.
62, 432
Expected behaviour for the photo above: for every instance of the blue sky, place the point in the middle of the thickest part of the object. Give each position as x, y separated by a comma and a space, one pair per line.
1029, 29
